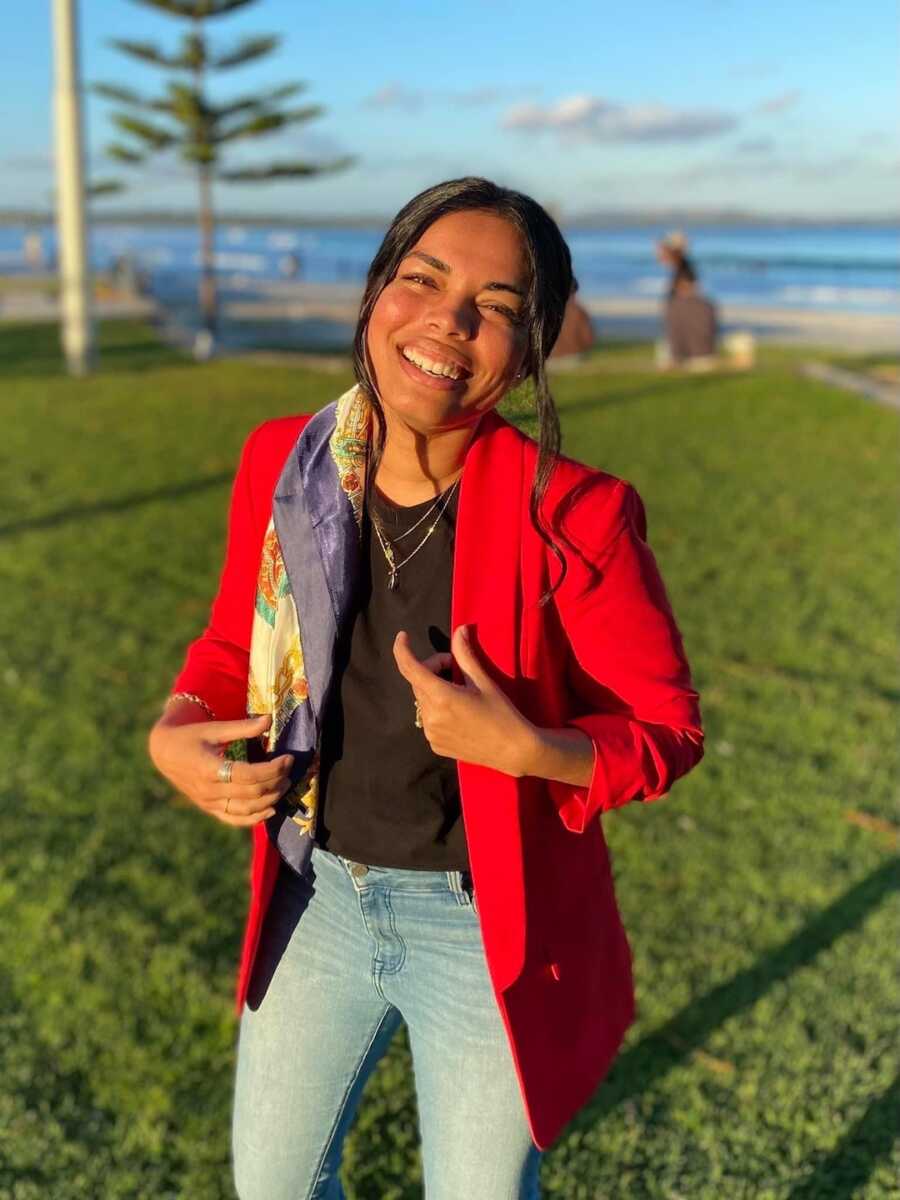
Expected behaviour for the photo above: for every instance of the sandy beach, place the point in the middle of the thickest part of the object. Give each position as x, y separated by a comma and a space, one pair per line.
320, 317
614, 320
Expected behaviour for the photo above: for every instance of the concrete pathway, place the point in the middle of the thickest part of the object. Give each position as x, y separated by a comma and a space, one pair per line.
852, 381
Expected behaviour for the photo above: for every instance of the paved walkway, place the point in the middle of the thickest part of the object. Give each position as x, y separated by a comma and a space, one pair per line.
863, 385
37, 307
321, 318
615, 319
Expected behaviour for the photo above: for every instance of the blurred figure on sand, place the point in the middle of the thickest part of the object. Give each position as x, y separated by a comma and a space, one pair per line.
576, 335
290, 266
690, 318
33, 250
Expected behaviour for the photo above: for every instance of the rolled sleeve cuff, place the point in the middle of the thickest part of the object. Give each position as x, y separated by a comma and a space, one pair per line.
618, 775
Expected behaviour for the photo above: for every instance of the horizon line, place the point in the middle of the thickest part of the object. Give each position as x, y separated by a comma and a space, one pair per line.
614, 216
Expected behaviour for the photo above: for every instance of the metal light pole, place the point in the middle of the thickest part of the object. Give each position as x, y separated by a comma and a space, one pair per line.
74, 282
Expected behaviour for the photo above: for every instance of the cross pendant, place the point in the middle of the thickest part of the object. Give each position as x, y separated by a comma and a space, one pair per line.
392, 579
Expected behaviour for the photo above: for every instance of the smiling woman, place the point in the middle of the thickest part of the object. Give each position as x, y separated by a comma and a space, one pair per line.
456, 652
446, 341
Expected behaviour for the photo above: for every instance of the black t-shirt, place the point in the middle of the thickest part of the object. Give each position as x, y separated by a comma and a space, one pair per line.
385, 797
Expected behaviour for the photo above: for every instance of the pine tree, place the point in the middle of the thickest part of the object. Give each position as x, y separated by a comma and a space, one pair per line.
186, 120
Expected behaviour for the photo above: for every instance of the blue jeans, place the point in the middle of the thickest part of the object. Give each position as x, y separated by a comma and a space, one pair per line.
345, 956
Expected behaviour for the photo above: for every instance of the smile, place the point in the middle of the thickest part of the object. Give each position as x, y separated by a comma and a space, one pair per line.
435, 368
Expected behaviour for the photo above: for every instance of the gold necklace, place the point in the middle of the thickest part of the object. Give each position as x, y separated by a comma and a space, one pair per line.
387, 546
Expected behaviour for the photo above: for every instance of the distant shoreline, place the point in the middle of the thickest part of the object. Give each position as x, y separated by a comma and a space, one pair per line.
307, 305
585, 221
322, 317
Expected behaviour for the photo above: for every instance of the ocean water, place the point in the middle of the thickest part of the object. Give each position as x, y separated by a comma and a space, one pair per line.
823, 268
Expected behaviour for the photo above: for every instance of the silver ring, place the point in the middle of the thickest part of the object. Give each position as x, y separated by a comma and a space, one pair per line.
226, 766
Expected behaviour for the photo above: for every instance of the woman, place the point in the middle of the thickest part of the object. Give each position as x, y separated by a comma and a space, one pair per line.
458, 652
690, 318
576, 334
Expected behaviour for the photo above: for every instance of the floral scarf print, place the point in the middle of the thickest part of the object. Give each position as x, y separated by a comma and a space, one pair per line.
277, 681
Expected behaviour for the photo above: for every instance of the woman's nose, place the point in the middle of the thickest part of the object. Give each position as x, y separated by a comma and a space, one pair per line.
453, 316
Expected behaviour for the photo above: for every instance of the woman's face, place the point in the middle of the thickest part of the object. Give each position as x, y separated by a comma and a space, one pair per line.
447, 336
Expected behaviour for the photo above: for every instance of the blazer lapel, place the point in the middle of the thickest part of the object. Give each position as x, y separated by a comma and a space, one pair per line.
487, 595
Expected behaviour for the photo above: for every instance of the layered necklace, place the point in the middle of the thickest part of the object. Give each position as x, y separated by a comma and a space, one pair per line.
388, 545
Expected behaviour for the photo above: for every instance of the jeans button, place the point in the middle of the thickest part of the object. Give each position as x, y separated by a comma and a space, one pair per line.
358, 870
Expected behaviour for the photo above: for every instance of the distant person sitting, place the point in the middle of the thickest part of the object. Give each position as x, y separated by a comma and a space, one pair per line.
576, 335
691, 325
33, 250
127, 277
691, 322
290, 266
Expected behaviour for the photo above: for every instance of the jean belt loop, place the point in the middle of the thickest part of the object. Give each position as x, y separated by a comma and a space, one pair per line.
465, 879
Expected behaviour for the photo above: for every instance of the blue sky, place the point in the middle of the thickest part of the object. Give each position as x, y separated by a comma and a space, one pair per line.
587, 105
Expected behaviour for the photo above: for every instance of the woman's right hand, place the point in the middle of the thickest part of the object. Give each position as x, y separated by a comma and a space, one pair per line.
190, 753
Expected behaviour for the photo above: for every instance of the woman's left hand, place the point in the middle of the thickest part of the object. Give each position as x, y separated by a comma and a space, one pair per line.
473, 721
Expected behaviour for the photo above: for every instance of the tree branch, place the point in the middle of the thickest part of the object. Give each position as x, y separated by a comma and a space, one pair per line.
283, 170
195, 10
124, 153
155, 137
122, 95
264, 123
256, 103
246, 51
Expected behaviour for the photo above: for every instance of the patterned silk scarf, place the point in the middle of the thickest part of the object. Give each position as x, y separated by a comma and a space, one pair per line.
277, 681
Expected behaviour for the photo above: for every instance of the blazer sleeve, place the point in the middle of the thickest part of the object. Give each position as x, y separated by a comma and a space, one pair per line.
627, 672
217, 663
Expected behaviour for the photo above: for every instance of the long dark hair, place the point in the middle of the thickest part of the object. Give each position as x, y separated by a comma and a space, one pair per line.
549, 267
683, 271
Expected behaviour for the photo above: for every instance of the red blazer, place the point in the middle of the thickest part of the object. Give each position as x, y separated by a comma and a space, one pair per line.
604, 655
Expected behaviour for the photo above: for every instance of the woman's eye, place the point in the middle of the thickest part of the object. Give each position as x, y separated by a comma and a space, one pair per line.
509, 313
426, 279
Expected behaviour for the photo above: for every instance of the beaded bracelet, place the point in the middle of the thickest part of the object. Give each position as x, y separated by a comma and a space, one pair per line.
194, 700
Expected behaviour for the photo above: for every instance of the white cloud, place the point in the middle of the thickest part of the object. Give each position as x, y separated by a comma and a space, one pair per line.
802, 170
594, 119
399, 98
394, 95
478, 97
760, 145
780, 103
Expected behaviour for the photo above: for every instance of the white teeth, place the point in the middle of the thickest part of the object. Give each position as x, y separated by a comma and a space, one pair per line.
442, 369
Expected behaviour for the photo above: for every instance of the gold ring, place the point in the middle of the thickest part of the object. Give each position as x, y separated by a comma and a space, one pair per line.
223, 774
418, 716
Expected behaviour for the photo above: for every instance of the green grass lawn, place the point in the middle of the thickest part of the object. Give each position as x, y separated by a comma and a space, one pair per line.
761, 896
